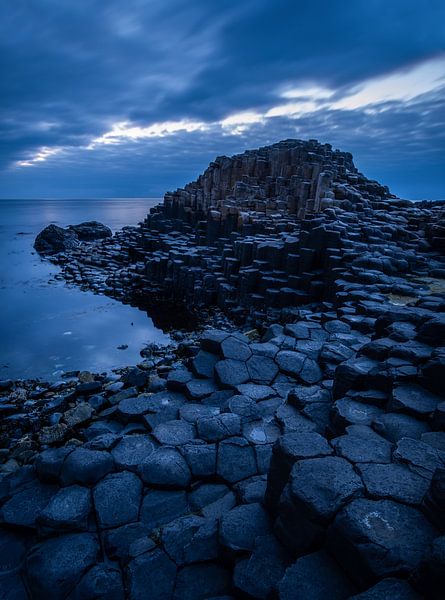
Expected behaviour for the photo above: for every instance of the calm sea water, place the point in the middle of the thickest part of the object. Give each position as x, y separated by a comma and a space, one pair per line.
47, 327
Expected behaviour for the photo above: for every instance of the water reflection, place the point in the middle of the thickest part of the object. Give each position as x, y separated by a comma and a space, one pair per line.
47, 328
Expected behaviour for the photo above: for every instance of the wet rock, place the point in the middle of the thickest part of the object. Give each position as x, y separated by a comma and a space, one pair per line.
68, 509
314, 576
201, 459
231, 373
100, 583
55, 239
23, 509
131, 451
151, 575
54, 567
236, 460
219, 427
77, 415
394, 427
393, 481
165, 467
191, 539
117, 498
242, 525
201, 581
91, 230
372, 539
413, 400
85, 466
174, 433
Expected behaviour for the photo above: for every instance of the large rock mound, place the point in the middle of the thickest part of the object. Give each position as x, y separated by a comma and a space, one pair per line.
54, 239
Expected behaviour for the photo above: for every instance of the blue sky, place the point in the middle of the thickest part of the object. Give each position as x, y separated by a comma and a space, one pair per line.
113, 99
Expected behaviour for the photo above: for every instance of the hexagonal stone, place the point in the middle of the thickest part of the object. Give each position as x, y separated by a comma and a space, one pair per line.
234, 348
372, 539
151, 575
258, 575
197, 389
86, 466
264, 349
256, 391
395, 482
68, 509
133, 409
236, 460
316, 576
49, 463
396, 589
299, 365
204, 363
363, 445
24, 507
54, 567
261, 432
413, 400
192, 412
131, 451
102, 581
201, 459
347, 412
251, 490
162, 506
288, 449
219, 427
165, 468
174, 433
118, 541
117, 499
291, 420
231, 373
212, 339
242, 525
262, 369
394, 427
419, 457
201, 581
321, 486
191, 539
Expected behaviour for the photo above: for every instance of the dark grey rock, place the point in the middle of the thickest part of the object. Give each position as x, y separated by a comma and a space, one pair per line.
235, 349
231, 373
117, 499
91, 230
162, 506
373, 539
174, 433
54, 567
204, 363
262, 369
68, 509
394, 427
165, 467
191, 539
414, 400
206, 493
201, 459
100, 583
86, 466
396, 589
363, 445
201, 581
151, 575
131, 451
395, 482
242, 525
49, 463
117, 542
54, 239
23, 509
236, 460
316, 576
219, 427
258, 575
197, 389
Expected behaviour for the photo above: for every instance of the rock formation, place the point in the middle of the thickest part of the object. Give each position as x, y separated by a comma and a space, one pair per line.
299, 453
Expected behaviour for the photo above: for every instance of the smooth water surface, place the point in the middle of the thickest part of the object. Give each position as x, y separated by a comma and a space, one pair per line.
47, 327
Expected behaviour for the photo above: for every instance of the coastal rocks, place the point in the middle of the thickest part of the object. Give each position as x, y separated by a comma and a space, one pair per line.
55, 239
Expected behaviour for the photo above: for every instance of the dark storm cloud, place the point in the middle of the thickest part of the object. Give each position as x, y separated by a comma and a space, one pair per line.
72, 69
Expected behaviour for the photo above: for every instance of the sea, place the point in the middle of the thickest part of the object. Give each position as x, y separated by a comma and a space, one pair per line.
48, 328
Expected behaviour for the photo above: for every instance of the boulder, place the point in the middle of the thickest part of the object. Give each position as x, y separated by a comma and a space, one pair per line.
54, 239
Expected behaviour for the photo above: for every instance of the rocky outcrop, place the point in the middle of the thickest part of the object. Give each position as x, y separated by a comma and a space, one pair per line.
54, 239
300, 453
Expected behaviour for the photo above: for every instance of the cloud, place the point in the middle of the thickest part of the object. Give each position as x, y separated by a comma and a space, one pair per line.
98, 88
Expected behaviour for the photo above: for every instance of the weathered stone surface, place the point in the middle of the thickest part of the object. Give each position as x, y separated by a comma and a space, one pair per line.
314, 576
201, 581
131, 451
117, 499
236, 460
373, 539
68, 509
151, 575
54, 567
191, 539
55, 239
165, 467
174, 433
231, 373
25, 506
100, 583
396, 589
242, 525
86, 466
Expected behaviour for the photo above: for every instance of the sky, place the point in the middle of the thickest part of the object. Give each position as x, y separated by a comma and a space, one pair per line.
112, 98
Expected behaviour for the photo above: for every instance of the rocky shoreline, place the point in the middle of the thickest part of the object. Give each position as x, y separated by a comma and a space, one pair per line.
291, 445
